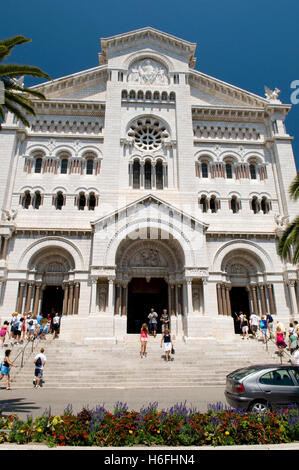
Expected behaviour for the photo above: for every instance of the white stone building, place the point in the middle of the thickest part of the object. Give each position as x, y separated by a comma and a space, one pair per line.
144, 182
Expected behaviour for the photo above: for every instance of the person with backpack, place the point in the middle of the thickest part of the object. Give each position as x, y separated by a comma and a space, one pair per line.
264, 327
13, 326
270, 324
40, 362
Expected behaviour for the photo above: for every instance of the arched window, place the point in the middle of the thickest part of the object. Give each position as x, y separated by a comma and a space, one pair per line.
148, 175
204, 170
234, 204
37, 200
164, 96
136, 174
252, 169
26, 200
59, 203
156, 95
148, 95
92, 202
172, 96
255, 207
140, 95
229, 170
265, 205
63, 166
203, 203
81, 202
38, 165
213, 204
132, 95
124, 94
159, 175
89, 166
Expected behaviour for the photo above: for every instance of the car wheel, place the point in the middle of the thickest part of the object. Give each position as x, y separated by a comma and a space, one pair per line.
259, 407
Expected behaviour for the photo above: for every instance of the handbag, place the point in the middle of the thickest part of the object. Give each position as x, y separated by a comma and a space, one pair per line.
172, 350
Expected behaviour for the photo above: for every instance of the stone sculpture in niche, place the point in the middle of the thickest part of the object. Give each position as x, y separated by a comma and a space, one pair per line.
148, 72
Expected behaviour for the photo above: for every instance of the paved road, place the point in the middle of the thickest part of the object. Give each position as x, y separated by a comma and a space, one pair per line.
35, 401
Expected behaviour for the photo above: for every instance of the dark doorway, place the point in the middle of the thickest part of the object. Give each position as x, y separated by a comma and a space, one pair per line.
239, 303
52, 300
142, 296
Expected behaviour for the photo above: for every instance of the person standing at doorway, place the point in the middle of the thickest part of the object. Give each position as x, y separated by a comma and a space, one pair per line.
143, 340
165, 320
153, 322
244, 326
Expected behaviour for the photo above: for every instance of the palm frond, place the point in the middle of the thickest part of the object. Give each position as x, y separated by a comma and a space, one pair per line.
11, 85
290, 237
7, 44
17, 112
25, 103
294, 188
15, 70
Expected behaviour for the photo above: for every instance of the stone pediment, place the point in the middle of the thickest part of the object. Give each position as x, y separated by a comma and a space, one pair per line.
152, 202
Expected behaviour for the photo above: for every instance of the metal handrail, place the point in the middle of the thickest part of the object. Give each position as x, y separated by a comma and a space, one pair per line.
281, 353
22, 352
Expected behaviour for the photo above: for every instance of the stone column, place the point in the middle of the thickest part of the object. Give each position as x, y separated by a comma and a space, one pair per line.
124, 298
141, 175
110, 294
71, 299
271, 299
254, 299
93, 300
4, 247
293, 299
172, 297
224, 303
28, 298
77, 296
65, 299
263, 299
21, 297
229, 310
36, 298
189, 295
219, 299
180, 303
117, 299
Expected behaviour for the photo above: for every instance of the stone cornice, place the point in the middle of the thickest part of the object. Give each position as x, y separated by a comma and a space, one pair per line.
70, 107
146, 35
239, 234
228, 113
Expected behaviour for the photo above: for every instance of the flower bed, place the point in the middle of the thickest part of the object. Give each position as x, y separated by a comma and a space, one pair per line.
177, 426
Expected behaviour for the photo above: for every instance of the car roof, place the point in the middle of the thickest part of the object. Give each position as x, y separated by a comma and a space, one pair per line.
264, 367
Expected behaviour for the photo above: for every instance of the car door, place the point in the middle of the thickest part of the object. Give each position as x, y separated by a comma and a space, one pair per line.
295, 372
279, 387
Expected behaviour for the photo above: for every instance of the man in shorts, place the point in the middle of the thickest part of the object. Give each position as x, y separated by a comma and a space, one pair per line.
39, 361
254, 323
152, 316
165, 320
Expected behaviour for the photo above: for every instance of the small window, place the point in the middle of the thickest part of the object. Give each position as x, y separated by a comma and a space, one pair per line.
38, 165
89, 166
59, 201
81, 202
91, 202
229, 171
203, 204
213, 204
136, 174
255, 205
265, 206
37, 200
64, 166
147, 175
204, 170
27, 200
252, 169
235, 206
279, 377
159, 175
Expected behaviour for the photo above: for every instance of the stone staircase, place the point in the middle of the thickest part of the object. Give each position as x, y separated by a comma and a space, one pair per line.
119, 366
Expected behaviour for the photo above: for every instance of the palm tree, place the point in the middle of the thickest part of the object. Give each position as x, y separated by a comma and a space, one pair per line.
16, 96
290, 237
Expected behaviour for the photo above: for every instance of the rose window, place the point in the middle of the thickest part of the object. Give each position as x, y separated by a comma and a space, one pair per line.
148, 133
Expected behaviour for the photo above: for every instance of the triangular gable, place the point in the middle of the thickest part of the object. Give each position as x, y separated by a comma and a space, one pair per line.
150, 198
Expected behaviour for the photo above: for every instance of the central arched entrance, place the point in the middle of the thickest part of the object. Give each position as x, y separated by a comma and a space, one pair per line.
148, 270
142, 296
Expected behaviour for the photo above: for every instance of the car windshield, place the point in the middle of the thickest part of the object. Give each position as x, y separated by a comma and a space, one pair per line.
241, 373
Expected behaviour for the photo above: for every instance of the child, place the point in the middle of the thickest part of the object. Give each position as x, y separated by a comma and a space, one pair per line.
143, 340
3, 332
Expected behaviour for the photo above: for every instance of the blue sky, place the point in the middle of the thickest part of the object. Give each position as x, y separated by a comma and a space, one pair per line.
248, 43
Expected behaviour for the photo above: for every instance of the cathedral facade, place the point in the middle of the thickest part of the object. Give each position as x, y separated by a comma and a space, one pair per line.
143, 182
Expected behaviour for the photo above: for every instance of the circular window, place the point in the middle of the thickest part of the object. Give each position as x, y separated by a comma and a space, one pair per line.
147, 133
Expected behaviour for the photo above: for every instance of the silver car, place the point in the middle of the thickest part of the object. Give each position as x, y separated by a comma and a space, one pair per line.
261, 387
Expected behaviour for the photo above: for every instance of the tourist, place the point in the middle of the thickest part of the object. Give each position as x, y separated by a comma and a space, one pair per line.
18, 328
166, 341
295, 356
32, 328
13, 322
254, 323
5, 369
264, 328
270, 324
244, 326
280, 343
293, 342
280, 326
3, 332
143, 340
291, 329
152, 316
165, 320
56, 324
40, 362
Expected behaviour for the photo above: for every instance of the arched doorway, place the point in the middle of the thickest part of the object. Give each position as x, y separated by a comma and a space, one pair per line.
149, 269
